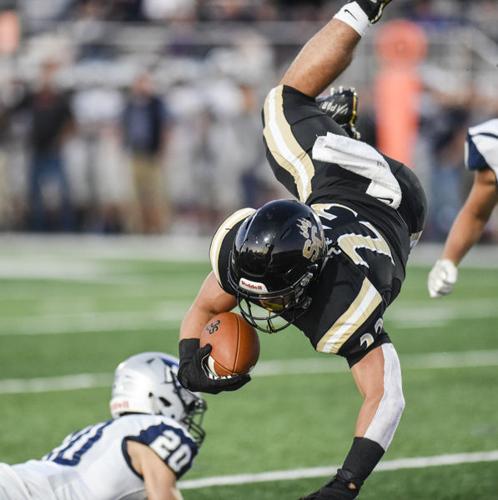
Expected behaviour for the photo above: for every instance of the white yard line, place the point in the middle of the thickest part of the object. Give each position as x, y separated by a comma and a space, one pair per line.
441, 360
87, 322
389, 465
49, 384
23, 247
417, 315
173, 248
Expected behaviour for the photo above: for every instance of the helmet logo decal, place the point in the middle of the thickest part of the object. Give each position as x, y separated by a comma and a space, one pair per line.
313, 244
252, 286
119, 406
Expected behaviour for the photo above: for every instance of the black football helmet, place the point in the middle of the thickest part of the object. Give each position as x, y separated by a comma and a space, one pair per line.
277, 253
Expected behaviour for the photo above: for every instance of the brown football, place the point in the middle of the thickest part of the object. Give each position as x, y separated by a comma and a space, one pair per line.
235, 344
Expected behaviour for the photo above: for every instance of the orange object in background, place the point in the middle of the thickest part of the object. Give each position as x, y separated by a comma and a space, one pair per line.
400, 45
9, 32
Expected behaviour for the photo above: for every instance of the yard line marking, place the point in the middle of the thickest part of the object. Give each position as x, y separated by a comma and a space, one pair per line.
49, 384
174, 248
89, 247
439, 360
424, 314
418, 315
308, 366
389, 465
87, 322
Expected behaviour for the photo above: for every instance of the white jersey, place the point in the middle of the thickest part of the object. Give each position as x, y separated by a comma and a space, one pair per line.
481, 147
93, 464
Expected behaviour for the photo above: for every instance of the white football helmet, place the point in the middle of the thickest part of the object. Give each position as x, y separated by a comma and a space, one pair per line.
148, 383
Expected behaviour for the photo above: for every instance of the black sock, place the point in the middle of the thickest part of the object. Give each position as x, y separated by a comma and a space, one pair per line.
361, 460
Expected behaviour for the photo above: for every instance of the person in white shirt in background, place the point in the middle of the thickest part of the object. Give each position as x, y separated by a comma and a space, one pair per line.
481, 156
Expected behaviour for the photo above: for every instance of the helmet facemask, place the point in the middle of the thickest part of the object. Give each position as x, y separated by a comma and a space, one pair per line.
289, 303
194, 408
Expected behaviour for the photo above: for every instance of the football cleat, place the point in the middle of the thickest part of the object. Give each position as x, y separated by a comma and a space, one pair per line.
340, 487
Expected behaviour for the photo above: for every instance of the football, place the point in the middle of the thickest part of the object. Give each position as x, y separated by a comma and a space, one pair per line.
235, 345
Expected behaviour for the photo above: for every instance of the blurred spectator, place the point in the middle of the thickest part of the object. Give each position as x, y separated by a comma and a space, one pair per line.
160, 10
145, 125
98, 170
125, 10
51, 122
217, 79
445, 129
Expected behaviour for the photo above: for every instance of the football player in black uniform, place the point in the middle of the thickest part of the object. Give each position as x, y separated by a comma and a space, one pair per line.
331, 261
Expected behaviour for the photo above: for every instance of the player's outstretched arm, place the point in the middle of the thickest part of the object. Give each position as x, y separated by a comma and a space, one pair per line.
159, 479
210, 300
465, 232
328, 53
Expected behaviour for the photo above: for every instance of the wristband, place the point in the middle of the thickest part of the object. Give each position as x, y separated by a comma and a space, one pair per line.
354, 16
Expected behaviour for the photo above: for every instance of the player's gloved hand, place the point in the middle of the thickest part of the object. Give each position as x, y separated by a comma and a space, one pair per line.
373, 8
342, 106
193, 374
442, 278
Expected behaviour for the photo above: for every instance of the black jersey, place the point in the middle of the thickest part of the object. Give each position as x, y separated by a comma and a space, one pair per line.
368, 238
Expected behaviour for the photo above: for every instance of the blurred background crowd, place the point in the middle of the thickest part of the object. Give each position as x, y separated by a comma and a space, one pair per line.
143, 116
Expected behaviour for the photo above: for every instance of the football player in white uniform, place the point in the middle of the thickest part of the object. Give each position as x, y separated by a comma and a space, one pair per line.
481, 156
150, 442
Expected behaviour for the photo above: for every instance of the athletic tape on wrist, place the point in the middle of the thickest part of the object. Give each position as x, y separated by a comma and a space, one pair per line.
353, 15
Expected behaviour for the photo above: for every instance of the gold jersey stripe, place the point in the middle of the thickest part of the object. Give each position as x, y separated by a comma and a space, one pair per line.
365, 303
284, 147
217, 241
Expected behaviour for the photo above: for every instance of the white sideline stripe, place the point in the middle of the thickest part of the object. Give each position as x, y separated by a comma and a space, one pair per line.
441, 360
49, 384
437, 360
419, 315
111, 321
390, 465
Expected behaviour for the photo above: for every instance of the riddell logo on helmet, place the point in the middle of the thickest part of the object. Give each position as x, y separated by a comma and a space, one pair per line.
252, 286
120, 405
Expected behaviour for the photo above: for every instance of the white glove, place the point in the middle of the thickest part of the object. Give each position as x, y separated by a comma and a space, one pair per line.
442, 278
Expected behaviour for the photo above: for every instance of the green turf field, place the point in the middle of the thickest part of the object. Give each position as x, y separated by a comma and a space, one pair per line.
64, 315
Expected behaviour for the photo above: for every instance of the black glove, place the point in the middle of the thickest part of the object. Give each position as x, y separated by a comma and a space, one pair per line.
192, 373
373, 8
342, 106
